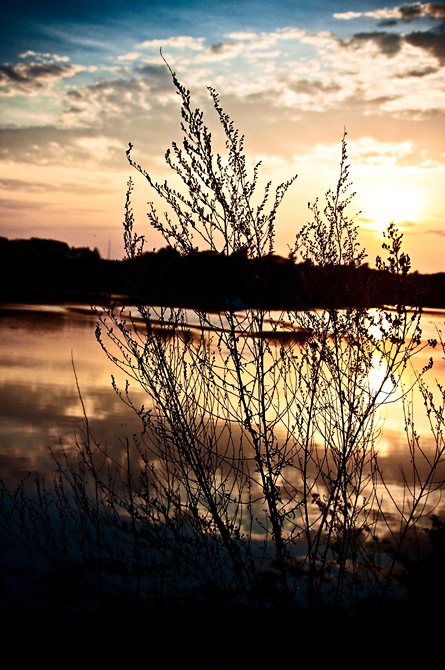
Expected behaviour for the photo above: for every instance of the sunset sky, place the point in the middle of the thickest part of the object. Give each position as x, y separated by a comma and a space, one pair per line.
80, 80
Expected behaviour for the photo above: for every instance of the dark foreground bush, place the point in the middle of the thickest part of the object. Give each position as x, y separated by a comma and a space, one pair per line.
255, 482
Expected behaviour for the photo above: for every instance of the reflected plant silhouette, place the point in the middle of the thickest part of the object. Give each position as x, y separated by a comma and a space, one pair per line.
256, 476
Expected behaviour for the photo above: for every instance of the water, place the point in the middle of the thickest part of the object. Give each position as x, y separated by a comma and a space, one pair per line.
39, 401
41, 409
48, 354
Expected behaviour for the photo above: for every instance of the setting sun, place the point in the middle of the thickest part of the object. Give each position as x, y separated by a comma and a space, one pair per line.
392, 203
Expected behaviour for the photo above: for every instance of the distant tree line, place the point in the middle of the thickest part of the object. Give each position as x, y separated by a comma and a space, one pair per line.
41, 269
49, 270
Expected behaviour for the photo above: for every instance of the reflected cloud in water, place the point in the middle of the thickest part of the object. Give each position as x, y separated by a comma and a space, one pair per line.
40, 407
39, 403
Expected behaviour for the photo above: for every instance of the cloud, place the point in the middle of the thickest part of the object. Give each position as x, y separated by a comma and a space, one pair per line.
368, 150
30, 78
291, 34
346, 16
387, 23
413, 11
44, 57
64, 148
251, 45
396, 57
132, 94
417, 73
221, 51
384, 14
321, 74
157, 74
225, 48
324, 72
21, 185
101, 148
314, 87
271, 55
440, 233
133, 55
407, 224
409, 12
388, 43
242, 36
431, 42
9, 203
182, 42
437, 10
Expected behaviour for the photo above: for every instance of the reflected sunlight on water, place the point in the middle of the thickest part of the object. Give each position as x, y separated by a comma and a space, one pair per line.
40, 405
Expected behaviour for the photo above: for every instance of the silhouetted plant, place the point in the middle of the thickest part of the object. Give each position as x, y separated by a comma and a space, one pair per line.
258, 461
264, 442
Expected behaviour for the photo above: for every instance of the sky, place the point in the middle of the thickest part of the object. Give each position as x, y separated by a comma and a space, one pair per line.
80, 80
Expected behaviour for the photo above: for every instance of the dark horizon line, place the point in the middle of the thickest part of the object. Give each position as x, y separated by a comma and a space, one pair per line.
169, 248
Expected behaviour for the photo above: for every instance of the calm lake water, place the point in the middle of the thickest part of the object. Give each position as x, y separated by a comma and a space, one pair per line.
40, 406
39, 401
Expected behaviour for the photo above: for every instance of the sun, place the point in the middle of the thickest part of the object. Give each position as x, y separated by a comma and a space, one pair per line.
391, 203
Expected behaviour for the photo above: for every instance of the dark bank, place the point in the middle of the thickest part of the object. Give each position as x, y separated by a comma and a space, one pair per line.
45, 271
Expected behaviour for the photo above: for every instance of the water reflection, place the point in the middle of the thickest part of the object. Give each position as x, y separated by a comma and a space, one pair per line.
40, 407
39, 403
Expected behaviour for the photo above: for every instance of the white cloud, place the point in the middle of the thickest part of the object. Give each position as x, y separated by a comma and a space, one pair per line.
251, 45
411, 11
44, 57
34, 78
241, 36
319, 72
348, 15
181, 42
100, 147
367, 150
133, 55
154, 60
290, 71
289, 34
384, 14
223, 51
263, 54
